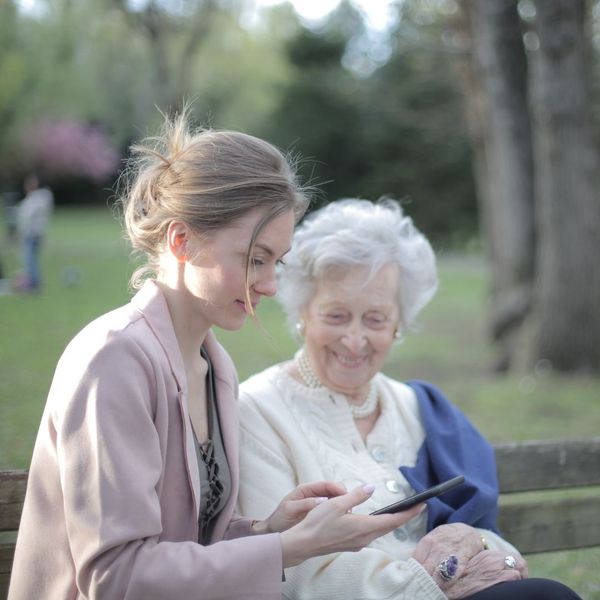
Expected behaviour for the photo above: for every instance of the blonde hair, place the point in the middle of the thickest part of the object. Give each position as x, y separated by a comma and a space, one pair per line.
205, 178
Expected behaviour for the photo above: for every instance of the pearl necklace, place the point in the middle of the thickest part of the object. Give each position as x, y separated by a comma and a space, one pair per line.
359, 411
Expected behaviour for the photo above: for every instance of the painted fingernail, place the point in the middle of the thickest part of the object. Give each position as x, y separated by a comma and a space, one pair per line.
369, 488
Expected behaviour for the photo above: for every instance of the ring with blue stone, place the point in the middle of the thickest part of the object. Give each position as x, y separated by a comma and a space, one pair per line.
448, 567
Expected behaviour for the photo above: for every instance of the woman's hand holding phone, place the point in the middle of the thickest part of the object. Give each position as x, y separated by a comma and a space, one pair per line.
331, 526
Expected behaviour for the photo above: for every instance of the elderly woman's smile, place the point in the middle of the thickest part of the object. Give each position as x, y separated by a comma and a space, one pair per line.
349, 328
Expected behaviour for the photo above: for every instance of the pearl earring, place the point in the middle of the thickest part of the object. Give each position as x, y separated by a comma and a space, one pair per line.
397, 335
300, 327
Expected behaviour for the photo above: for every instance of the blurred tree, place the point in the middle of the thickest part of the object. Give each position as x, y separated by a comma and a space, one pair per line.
91, 61
418, 144
16, 84
174, 32
564, 324
238, 75
320, 113
494, 76
537, 170
60, 54
379, 131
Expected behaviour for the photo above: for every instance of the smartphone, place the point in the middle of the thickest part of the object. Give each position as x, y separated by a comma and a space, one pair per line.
431, 492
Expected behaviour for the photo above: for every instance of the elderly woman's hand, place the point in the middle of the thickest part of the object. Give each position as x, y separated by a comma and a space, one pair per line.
476, 567
485, 569
458, 539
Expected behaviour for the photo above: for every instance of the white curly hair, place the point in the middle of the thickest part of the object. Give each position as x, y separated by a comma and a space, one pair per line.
351, 233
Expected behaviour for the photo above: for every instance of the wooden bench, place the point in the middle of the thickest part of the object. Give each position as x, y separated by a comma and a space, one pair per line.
550, 521
533, 525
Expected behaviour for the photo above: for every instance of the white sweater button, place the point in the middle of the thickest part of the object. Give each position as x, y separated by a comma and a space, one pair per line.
393, 486
378, 453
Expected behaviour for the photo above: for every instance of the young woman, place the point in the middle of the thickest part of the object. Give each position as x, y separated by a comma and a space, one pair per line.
134, 475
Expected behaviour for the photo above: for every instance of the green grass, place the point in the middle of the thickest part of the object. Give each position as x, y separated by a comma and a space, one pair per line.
449, 349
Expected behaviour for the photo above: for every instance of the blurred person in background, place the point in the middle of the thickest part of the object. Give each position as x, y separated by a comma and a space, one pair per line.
33, 218
352, 285
134, 475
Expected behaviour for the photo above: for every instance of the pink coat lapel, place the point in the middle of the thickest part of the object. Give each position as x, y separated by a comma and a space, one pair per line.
152, 303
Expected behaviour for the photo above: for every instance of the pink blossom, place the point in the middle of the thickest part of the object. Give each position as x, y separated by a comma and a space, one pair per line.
69, 147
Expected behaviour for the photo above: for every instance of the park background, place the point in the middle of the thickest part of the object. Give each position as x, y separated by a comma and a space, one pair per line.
479, 116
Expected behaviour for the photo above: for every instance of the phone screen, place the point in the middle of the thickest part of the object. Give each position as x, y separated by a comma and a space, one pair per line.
431, 492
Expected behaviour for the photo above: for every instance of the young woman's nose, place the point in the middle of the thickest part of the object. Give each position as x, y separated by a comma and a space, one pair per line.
266, 285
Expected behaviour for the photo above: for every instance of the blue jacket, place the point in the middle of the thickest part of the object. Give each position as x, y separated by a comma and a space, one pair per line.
452, 446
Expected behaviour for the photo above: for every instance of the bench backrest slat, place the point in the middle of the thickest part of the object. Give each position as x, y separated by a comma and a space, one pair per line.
548, 464
549, 524
12, 494
7, 552
563, 524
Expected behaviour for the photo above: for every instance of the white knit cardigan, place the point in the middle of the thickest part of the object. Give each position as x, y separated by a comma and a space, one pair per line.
292, 434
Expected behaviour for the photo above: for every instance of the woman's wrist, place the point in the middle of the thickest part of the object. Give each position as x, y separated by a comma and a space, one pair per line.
260, 527
293, 548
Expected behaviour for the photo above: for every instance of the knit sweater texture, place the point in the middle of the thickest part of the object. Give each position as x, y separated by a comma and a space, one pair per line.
293, 434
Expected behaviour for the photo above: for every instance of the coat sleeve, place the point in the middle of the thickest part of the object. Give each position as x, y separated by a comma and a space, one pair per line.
267, 473
110, 460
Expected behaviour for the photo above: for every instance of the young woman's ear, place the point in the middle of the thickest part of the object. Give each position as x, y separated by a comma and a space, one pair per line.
177, 240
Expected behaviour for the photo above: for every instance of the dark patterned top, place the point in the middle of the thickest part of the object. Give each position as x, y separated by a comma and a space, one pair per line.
215, 478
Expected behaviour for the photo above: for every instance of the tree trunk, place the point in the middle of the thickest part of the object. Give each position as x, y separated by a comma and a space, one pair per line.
173, 42
564, 327
496, 96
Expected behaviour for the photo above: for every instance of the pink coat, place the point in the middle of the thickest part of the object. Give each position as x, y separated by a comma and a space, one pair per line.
112, 501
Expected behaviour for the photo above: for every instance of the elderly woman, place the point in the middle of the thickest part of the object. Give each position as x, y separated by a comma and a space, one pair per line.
356, 278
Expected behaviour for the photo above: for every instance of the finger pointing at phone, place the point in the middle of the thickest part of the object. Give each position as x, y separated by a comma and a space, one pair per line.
332, 527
